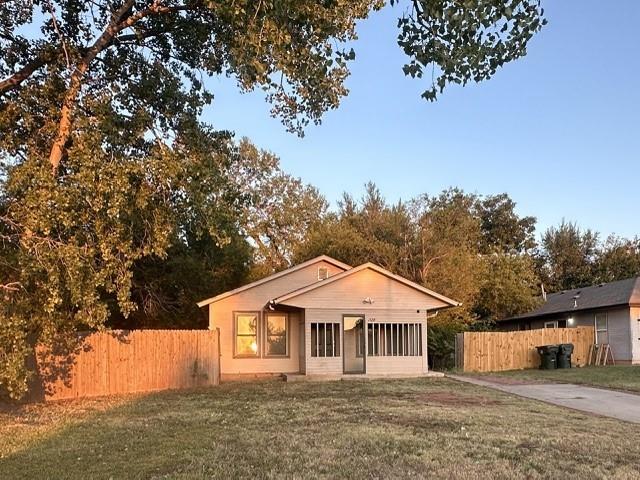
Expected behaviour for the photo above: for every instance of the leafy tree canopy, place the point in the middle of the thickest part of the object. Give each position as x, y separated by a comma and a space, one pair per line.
567, 257
438, 242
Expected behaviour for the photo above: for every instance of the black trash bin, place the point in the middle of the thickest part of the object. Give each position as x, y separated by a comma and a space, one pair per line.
548, 356
564, 355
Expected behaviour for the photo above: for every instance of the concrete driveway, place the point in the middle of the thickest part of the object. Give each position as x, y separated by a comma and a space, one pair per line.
609, 403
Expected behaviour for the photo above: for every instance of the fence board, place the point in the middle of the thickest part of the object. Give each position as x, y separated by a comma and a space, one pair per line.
498, 351
122, 361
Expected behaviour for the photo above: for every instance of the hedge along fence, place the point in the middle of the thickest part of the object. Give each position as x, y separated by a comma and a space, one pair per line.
498, 351
123, 361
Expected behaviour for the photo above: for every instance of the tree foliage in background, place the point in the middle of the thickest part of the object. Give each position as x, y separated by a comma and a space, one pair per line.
503, 230
438, 242
280, 211
447, 257
510, 286
618, 258
362, 231
567, 257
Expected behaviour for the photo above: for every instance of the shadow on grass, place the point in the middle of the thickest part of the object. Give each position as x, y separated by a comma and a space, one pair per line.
53, 364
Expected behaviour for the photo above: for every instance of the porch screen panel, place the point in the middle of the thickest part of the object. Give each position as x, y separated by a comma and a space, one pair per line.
325, 339
395, 339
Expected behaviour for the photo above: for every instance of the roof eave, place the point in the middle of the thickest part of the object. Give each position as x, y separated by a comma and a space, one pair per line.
561, 312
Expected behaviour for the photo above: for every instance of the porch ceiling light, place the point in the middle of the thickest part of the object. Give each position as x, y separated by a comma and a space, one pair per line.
570, 321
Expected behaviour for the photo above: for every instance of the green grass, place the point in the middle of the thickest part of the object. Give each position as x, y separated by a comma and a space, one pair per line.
615, 377
434, 428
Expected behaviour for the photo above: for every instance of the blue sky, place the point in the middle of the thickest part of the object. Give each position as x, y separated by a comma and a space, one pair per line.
558, 130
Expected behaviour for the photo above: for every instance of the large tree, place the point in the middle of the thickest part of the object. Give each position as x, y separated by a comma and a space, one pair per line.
365, 230
280, 212
448, 257
618, 258
567, 257
503, 230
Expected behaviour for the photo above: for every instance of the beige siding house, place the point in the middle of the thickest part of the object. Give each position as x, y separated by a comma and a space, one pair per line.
612, 309
323, 317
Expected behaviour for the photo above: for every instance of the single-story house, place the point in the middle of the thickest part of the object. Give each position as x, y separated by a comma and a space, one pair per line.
613, 309
324, 317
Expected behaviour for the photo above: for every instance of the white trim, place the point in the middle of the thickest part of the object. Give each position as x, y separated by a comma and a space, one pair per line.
595, 325
321, 258
375, 268
551, 324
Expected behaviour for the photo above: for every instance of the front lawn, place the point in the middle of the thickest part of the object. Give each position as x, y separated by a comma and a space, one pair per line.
434, 428
616, 377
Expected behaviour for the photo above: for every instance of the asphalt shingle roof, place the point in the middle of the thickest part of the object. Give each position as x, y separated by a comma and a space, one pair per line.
622, 292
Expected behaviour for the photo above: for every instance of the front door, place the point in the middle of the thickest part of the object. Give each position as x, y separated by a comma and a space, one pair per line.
353, 343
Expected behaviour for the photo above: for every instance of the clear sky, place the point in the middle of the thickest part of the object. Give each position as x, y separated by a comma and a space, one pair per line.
558, 130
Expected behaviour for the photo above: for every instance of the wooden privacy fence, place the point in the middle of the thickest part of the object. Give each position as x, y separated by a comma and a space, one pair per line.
121, 361
497, 351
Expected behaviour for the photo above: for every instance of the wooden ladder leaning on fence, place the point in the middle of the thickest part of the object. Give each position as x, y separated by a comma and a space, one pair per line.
600, 355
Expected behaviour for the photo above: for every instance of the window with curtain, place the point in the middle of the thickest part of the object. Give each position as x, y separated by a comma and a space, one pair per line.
394, 339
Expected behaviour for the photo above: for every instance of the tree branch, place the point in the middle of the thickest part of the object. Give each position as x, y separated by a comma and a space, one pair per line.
21, 75
11, 286
58, 149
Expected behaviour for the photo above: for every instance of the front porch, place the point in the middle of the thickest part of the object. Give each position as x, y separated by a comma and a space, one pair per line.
341, 344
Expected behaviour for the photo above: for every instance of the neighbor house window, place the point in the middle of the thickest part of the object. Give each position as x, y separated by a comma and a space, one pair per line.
246, 333
553, 324
325, 339
277, 335
395, 339
601, 324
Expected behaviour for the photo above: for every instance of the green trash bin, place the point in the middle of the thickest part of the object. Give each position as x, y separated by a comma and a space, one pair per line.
548, 356
564, 355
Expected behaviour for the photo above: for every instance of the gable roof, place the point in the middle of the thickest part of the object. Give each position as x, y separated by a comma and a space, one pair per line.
364, 266
321, 258
620, 293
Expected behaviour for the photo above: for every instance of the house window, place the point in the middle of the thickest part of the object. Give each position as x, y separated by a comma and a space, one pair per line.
601, 324
246, 334
395, 339
325, 339
552, 324
277, 335
323, 273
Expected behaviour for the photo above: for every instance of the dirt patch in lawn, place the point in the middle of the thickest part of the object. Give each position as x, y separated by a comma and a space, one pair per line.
456, 400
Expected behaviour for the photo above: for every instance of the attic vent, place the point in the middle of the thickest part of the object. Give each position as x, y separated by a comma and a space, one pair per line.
323, 273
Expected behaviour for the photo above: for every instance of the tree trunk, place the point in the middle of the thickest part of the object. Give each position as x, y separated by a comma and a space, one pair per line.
58, 148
